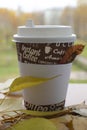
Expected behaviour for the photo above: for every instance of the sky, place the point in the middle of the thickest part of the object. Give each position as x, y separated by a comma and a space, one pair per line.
35, 5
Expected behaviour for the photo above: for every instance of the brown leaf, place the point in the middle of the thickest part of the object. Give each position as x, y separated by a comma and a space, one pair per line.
71, 53
70, 125
80, 123
1, 126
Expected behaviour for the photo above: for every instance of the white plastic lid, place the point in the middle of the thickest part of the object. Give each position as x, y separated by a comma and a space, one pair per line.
44, 33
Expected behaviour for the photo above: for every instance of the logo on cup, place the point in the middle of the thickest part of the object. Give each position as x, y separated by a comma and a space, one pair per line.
44, 108
41, 53
48, 49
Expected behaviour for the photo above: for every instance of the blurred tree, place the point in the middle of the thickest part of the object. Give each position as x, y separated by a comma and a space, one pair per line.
77, 18
80, 21
38, 17
9, 20
8, 24
67, 16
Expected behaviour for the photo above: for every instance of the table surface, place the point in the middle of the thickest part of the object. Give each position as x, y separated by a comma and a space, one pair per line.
77, 93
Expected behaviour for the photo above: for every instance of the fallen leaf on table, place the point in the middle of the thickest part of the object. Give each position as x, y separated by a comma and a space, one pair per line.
70, 122
80, 109
82, 112
46, 114
4, 87
60, 122
10, 105
34, 124
11, 111
79, 123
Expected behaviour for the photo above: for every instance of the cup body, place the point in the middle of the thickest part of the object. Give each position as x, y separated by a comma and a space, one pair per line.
39, 57
49, 96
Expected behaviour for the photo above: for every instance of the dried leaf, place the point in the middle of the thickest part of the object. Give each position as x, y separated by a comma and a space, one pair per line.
79, 106
67, 122
4, 87
79, 123
15, 104
82, 112
60, 122
34, 124
80, 109
70, 125
71, 53
1, 126
10, 105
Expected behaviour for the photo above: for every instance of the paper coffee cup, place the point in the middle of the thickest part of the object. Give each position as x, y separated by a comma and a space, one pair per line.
39, 50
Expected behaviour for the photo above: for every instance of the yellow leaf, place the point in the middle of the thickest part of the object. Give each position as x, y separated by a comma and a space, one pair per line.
27, 81
41, 113
34, 124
